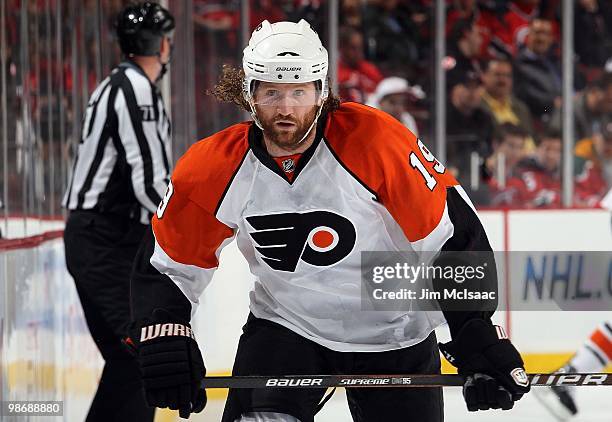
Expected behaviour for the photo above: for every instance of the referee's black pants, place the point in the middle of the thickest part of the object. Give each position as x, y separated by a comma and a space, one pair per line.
100, 250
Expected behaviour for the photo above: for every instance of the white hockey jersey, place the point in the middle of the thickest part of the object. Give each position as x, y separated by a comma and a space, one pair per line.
366, 184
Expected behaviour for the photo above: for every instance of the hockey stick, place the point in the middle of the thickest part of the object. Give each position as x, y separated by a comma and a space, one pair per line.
450, 380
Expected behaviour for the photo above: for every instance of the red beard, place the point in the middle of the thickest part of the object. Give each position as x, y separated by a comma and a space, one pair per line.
288, 139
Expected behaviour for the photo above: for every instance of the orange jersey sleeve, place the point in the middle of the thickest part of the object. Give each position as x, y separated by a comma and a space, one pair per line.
185, 225
396, 166
180, 253
427, 203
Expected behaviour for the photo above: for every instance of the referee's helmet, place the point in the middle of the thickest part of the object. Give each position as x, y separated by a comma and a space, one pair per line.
141, 28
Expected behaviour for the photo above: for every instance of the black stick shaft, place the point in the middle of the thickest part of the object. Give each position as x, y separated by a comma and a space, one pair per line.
324, 381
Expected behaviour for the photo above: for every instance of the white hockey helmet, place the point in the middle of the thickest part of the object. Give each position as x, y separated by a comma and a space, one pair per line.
284, 52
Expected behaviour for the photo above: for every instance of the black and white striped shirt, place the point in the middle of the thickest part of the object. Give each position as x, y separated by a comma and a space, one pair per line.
122, 163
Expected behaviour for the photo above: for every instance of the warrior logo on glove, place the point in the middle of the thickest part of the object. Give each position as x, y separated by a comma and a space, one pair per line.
163, 330
520, 377
319, 238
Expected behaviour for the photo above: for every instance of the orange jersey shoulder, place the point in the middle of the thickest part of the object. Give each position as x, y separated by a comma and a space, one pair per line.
393, 163
208, 166
185, 225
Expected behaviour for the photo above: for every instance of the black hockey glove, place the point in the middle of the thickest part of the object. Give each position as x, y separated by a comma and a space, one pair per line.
170, 362
492, 368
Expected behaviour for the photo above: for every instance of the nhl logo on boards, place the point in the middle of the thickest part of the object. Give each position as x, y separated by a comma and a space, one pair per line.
319, 238
288, 165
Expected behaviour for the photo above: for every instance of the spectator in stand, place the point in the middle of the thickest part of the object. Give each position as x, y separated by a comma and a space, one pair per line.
421, 16
215, 16
606, 11
592, 46
594, 167
261, 10
463, 49
510, 30
589, 109
469, 129
461, 10
313, 12
536, 183
392, 36
508, 150
498, 100
215, 32
351, 14
538, 71
590, 185
607, 91
469, 10
357, 78
392, 95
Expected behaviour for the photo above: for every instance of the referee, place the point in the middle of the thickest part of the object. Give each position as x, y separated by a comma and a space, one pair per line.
119, 176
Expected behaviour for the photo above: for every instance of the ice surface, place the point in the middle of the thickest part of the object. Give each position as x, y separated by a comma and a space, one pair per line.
594, 403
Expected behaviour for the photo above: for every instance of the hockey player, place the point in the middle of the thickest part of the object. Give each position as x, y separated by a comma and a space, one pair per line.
593, 356
304, 188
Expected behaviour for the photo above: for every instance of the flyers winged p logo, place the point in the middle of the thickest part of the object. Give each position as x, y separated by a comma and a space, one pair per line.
320, 238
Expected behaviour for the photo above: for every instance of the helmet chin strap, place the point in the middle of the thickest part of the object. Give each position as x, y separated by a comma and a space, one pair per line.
163, 70
314, 122
254, 115
164, 66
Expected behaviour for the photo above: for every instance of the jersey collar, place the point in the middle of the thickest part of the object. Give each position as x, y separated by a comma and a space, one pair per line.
257, 146
133, 65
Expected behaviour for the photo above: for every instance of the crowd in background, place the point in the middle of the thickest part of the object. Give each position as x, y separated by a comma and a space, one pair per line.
53, 53
503, 82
